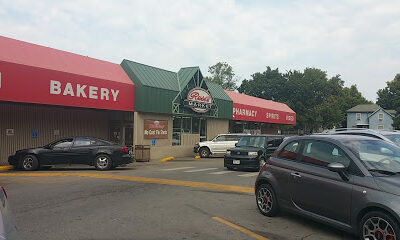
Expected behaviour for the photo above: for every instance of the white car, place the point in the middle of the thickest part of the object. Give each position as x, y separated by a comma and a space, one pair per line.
218, 145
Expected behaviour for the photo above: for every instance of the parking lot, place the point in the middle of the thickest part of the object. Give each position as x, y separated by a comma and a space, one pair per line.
179, 199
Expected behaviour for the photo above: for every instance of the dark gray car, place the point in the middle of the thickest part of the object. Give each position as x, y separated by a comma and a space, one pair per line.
350, 182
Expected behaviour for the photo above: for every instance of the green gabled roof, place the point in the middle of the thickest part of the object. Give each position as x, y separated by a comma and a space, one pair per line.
186, 74
161, 91
217, 91
152, 76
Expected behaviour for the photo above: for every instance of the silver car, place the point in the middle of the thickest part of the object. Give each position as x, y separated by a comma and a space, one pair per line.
8, 230
391, 136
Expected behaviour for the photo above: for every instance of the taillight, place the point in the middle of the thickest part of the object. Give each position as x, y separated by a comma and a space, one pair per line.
125, 150
4, 191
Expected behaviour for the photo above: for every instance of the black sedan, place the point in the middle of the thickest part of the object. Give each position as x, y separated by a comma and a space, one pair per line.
74, 150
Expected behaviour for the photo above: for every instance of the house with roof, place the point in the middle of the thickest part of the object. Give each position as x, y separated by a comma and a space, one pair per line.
370, 116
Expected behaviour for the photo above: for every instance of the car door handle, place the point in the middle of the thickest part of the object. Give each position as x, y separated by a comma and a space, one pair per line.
296, 175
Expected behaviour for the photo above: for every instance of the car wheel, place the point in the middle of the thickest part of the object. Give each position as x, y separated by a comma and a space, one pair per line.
266, 200
30, 163
378, 225
204, 152
261, 162
103, 162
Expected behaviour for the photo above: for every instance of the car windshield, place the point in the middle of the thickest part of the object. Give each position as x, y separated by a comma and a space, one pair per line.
395, 138
376, 154
251, 141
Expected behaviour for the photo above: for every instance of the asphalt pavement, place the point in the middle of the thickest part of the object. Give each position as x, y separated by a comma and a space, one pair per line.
179, 199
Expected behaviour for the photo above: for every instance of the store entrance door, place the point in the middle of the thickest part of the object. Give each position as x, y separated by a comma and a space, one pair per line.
128, 136
122, 134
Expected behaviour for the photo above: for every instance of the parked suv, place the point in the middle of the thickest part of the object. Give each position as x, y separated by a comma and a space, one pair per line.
392, 136
218, 145
251, 152
350, 182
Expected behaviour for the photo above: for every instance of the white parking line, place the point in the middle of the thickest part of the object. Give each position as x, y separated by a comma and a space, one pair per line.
249, 174
221, 172
179, 168
201, 170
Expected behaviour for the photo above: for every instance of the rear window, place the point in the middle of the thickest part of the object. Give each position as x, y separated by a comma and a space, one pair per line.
233, 137
100, 142
251, 141
395, 138
81, 142
290, 151
274, 141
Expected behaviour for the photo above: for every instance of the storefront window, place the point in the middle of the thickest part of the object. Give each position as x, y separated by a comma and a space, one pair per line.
252, 128
190, 125
236, 126
196, 125
186, 125
203, 130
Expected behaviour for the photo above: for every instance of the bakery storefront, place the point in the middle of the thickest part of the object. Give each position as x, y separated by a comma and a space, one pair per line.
175, 110
46, 94
258, 116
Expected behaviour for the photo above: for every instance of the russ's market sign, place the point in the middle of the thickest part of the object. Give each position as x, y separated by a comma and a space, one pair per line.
199, 100
22, 83
155, 129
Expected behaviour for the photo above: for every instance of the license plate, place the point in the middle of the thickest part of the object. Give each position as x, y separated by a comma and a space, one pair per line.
236, 161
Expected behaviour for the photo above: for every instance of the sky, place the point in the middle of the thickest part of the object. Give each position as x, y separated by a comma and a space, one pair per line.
357, 39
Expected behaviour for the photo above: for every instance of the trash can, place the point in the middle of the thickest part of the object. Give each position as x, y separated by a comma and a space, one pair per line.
142, 153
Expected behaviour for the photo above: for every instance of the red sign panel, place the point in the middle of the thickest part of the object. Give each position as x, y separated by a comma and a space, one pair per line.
257, 114
21, 83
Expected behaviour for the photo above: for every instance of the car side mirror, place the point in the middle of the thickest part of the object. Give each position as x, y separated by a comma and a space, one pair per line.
236, 144
340, 169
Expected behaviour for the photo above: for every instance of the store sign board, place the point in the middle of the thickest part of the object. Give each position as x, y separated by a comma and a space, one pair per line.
257, 114
10, 132
21, 83
199, 100
155, 129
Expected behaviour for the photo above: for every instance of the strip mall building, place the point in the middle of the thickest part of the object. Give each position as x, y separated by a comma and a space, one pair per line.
46, 94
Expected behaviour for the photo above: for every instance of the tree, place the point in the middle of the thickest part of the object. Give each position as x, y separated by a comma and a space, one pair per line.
318, 101
389, 98
334, 109
222, 74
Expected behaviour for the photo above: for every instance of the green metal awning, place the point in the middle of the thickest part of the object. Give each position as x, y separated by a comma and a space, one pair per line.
162, 91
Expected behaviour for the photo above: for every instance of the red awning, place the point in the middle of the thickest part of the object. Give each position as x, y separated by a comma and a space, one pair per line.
37, 74
248, 108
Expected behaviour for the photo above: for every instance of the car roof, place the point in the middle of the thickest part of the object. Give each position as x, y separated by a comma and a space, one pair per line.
338, 137
244, 134
360, 130
266, 135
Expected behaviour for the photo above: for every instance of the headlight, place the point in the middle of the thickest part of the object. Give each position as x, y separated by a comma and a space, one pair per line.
253, 153
228, 152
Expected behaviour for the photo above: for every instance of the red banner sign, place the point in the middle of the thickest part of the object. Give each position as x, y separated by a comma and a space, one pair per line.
21, 83
257, 114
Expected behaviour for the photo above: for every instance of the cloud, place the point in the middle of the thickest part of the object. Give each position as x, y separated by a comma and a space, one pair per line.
357, 39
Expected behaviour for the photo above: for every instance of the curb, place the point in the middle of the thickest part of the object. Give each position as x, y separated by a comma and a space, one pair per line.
167, 159
9, 167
